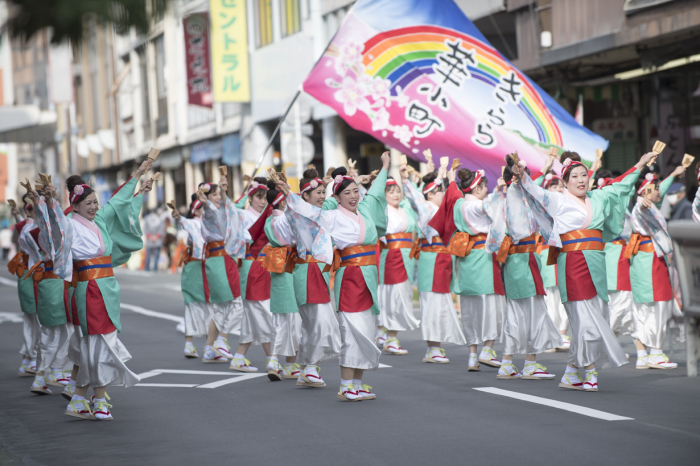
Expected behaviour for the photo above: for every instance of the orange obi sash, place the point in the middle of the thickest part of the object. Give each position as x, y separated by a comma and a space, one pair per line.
355, 256
577, 240
462, 243
215, 249
278, 260
526, 245
186, 257
42, 270
638, 243
308, 260
504, 250
18, 264
619, 241
397, 241
436, 246
92, 269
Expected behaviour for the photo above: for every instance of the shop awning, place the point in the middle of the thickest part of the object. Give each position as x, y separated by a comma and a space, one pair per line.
27, 123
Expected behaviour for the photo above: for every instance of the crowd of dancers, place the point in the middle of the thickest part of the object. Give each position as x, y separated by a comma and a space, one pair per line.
555, 263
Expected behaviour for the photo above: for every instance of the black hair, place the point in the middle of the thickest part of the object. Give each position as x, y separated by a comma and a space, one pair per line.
343, 172
429, 178
308, 175
272, 193
193, 198
554, 182
508, 171
601, 175
574, 158
389, 186
642, 177
262, 181
76, 180
212, 188
466, 177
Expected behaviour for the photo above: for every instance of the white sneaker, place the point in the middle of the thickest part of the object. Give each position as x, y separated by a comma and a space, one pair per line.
591, 383
101, 410
536, 372
565, 343
68, 392
273, 370
291, 371
392, 346
642, 362
80, 409
571, 380
508, 371
381, 338
660, 361
190, 351
39, 387
310, 377
488, 357
436, 357
242, 365
222, 348
349, 393
210, 357
473, 364
365, 392
181, 326
58, 379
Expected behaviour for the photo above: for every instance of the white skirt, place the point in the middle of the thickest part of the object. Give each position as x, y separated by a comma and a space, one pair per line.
592, 339
396, 307
53, 347
621, 304
528, 329
555, 309
102, 362
197, 317
651, 322
358, 349
256, 325
320, 334
74, 345
287, 332
439, 321
31, 331
482, 317
225, 314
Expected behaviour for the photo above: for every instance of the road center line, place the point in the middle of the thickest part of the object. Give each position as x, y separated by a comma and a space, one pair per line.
148, 312
7, 282
176, 385
555, 404
232, 380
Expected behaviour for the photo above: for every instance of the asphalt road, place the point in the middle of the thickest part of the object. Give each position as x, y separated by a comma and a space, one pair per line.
424, 414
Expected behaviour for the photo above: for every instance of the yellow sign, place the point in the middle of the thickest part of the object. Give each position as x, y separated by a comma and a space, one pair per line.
229, 51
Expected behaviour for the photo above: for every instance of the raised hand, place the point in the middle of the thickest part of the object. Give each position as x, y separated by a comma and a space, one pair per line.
646, 158
176, 215
284, 187
146, 186
403, 171
145, 166
386, 160
679, 171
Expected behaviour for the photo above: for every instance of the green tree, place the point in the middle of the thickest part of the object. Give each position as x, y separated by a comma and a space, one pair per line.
66, 18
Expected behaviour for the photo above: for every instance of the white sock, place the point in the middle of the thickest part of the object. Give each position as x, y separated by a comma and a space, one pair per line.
72, 382
473, 356
345, 382
219, 338
529, 363
100, 399
435, 350
506, 361
189, 343
39, 378
310, 370
570, 370
642, 353
207, 348
288, 364
357, 383
589, 370
239, 356
656, 351
272, 358
77, 398
26, 361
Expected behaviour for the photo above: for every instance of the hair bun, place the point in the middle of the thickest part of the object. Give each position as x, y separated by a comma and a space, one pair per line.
310, 173
271, 184
465, 174
509, 161
342, 171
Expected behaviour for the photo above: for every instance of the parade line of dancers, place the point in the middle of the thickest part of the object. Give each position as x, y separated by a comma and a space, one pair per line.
553, 263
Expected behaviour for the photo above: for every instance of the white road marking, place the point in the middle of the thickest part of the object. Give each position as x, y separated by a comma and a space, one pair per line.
177, 371
177, 385
12, 317
232, 380
7, 282
556, 404
383, 365
148, 312
173, 287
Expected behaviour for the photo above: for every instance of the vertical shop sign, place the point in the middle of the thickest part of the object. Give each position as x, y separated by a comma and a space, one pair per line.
197, 58
229, 50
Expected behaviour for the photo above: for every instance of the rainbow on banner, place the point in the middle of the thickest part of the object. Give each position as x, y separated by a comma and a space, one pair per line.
404, 55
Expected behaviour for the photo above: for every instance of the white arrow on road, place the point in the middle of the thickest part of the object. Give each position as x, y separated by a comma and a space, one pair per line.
12, 317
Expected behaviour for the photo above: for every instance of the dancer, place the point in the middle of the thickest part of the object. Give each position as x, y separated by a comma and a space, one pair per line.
223, 234
98, 241
696, 201
582, 221
471, 211
555, 308
52, 309
439, 321
257, 327
527, 327
354, 227
277, 257
28, 255
396, 269
197, 310
652, 291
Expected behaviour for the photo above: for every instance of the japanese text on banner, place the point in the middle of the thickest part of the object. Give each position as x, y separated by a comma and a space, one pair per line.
229, 51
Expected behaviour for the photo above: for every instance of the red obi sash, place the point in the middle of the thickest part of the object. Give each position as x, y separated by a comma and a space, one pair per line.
397, 241
462, 243
18, 264
92, 269
577, 240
